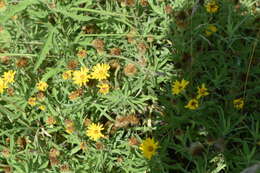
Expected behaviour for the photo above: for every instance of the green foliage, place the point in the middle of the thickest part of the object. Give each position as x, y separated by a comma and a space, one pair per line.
149, 45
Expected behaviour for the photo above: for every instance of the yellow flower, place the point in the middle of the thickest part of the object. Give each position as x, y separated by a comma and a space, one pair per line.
100, 71
32, 101
178, 87
42, 107
212, 7
149, 147
8, 77
103, 88
67, 74
2, 5
193, 104
81, 77
42, 86
94, 131
238, 103
210, 30
3, 85
202, 91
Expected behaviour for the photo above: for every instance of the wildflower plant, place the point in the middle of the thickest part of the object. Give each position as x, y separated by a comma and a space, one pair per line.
129, 86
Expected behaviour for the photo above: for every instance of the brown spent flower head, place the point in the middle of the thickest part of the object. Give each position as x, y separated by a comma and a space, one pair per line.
133, 141
98, 44
144, 3
168, 9
121, 121
7, 140
2, 3
54, 161
114, 64
40, 96
130, 69
21, 142
87, 122
90, 29
119, 159
83, 146
196, 149
5, 60
54, 153
8, 169
69, 125
150, 39
10, 91
115, 51
65, 168
82, 53
99, 146
142, 61
132, 119
50, 120
131, 36
142, 48
128, 3
72, 64
6, 152
75, 94
22, 62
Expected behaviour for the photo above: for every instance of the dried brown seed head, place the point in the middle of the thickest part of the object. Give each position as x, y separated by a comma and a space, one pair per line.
72, 64
22, 62
130, 70
115, 51
133, 141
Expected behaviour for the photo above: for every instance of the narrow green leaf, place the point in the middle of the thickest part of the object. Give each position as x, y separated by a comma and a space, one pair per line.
45, 50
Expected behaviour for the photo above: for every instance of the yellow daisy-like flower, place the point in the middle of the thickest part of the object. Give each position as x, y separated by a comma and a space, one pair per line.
238, 103
67, 74
8, 77
3, 85
81, 77
193, 104
212, 7
100, 71
94, 131
210, 30
202, 91
41, 86
149, 147
103, 88
32, 101
42, 107
178, 87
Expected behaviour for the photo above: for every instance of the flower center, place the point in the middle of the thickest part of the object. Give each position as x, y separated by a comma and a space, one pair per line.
150, 148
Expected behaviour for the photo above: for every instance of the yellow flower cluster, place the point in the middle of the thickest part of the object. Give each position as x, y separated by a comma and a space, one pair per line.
6, 79
238, 103
81, 77
42, 86
179, 86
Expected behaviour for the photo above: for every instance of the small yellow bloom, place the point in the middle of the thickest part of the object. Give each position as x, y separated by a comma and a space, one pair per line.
100, 71
149, 147
32, 101
238, 103
103, 88
193, 104
81, 77
8, 77
3, 85
67, 74
94, 131
42, 86
210, 30
202, 91
70, 128
42, 107
212, 7
178, 87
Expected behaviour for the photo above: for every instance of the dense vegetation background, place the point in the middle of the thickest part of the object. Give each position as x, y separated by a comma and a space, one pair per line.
115, 86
